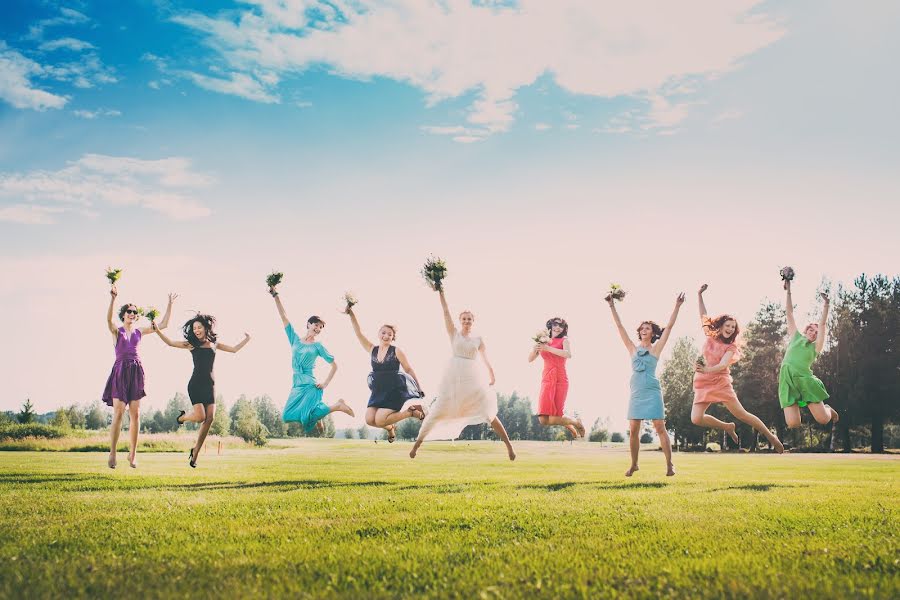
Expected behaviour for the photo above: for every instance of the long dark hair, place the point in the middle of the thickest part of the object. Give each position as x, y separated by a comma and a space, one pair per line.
657, 331
713, 328
562, 323
208, 322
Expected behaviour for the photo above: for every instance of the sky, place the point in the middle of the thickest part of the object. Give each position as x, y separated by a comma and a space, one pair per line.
544, 150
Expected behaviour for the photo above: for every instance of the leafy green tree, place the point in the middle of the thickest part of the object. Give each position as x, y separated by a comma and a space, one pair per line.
174, 406
269, 415
408, 429
363, 432
221, 424
246, 425
599, 431
96, 418
677, 382
27, 414
61, 420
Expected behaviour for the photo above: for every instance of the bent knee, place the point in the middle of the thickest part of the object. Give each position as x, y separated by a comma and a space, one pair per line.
370, 421
697, 419
543, 420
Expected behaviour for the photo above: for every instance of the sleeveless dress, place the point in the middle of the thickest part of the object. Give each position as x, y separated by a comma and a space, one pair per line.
554, 382
715, 387
796, 382
202, 386
464, 397
126, 381
646, 396
304, 404
390, 388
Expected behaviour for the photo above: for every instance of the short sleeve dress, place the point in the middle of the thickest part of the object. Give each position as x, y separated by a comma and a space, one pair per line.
796, 382
304, 404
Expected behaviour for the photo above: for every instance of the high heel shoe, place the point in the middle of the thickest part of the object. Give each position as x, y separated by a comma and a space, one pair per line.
192, 461
178, 418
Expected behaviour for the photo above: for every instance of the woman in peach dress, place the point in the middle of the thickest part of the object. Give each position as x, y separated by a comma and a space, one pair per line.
713, 382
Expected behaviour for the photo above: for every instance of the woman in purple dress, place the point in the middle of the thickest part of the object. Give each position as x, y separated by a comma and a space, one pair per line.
125, 385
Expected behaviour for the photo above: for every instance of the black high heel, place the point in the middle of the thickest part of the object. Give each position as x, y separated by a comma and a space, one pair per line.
178, 418
192, 461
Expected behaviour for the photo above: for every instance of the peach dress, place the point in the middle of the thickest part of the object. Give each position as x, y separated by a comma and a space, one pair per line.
715, 387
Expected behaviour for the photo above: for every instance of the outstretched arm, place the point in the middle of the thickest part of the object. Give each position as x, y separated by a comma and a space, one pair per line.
629, 345
407, 367
113, 292
165, 320
702, 304
448, 320
240, 345
823, 324
723, 364
168, 342
328, 379
789, 310
487, 362
658, 347
280, 307
363, 340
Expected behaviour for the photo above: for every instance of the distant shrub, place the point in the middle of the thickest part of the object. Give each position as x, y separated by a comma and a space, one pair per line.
617, 437
20, 431
646, 438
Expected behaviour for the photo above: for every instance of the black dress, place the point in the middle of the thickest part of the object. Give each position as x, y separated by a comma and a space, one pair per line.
390, 388
202, 386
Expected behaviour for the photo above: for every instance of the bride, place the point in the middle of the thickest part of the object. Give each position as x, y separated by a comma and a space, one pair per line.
463, 398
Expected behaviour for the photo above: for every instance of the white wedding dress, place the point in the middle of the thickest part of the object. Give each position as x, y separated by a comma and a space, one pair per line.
464, 397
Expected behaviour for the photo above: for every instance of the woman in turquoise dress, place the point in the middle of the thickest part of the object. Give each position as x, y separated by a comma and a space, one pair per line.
646, 401
797, 386
304, 404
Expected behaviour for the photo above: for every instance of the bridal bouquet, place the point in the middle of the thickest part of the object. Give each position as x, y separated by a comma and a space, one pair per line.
616, 292
274, 278
787, 273
350, 300
701, 361
541, 337
434, 272
113, 275
150, 312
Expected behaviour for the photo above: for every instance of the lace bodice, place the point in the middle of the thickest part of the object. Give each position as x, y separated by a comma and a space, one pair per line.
466, 347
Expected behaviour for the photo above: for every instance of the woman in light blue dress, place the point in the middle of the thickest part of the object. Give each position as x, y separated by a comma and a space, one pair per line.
305, 405
646, 395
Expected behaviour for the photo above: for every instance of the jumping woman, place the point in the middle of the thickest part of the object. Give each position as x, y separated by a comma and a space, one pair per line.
554, 380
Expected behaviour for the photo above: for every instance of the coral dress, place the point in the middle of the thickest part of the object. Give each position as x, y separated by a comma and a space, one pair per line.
304, 404
554, 382
715, 387
796, 382
464, 396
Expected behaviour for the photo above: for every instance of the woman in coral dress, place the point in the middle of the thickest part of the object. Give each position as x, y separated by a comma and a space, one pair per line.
554, 379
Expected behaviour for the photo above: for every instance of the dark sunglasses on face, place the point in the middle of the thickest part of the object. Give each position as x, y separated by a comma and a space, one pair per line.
130, 311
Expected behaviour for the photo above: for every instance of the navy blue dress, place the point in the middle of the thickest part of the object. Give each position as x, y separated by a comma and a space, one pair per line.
390, 388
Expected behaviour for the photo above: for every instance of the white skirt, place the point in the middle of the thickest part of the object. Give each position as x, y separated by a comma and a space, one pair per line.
464, 398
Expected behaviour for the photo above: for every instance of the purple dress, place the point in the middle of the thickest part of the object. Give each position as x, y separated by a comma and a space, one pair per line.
126, 382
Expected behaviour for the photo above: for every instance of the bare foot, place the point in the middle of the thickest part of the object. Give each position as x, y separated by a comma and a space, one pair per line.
132, 460
415, 448
779, 447
111, 462
392, 433
580, 427
631, 471
733, 434
670, 471
573, 431
512, 453
343, 407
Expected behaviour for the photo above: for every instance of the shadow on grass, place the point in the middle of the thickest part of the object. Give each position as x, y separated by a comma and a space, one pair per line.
755, 487
603, 485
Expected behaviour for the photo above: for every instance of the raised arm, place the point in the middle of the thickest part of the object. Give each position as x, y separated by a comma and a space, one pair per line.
363, 340
279, 306
408, 368
168, 342
823, 324
629, 345
789, 309
448, 320
702, 304
165, 320
661, 344
113, 292
240, 345
483, 349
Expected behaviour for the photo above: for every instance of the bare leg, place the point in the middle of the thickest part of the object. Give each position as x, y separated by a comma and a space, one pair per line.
575, 426
204, 429
699, 417
822, 413
114, 429
500, 430
660, 426
738, 410
134, 426
792, 416
427, 426
341, 406
634, 444
196, 415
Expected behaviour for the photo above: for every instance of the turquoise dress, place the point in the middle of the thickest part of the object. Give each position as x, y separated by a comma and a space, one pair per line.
646, 395
304, 405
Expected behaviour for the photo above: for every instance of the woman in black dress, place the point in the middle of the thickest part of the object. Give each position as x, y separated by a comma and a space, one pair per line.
201, 341
391, 389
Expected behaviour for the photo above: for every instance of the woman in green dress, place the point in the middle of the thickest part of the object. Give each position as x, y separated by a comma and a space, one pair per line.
797, 386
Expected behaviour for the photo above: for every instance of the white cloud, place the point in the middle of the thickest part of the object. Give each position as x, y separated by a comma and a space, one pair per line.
159, 185
84, 73
67, 44
93, 114
67, 16
599, 48
727, 115
16, 88
239, 84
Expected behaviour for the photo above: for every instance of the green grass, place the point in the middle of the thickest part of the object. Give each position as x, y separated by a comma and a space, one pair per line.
328, 518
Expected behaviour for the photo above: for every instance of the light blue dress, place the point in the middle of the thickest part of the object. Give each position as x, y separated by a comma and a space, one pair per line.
646, 395
304, 405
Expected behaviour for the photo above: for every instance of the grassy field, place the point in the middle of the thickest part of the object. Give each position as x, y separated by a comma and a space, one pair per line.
356, 519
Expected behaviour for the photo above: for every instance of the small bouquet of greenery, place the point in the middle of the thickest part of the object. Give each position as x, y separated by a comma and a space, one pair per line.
150, 312
350, 300
701, 362
274, 278
541, 337
113, 275
616, 292
434, 272
787, 273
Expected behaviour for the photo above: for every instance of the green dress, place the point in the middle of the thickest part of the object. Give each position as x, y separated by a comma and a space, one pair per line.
796, 382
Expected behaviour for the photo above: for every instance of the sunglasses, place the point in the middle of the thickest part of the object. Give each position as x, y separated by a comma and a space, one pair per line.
130, 311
